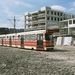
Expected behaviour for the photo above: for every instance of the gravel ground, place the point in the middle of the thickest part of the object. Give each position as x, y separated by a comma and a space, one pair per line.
15, 61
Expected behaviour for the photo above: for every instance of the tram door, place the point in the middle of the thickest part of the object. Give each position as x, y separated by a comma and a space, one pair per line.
40, 41
22, 41
2, 41
10, 44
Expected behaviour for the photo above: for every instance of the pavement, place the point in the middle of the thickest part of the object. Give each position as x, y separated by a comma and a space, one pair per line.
64, 47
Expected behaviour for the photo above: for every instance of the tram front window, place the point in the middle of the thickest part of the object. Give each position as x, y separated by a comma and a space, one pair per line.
48, 37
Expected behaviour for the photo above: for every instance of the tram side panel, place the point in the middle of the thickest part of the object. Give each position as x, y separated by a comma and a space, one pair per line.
45, 41
7, 40
1, 41
14, 41
10, 42
40, 45
22, 41
37, 41
30, 41
30, 44
48, 41
4, 41
17, 42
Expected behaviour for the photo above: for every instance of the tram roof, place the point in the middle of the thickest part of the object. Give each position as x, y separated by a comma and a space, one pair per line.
21, 33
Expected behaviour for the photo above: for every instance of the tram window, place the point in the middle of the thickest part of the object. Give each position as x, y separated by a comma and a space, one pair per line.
24, 37
48, 37
7, 37
51, 37
33, 37
13, 37
0, 38
37, 37
40, 37
30, 36
19, 37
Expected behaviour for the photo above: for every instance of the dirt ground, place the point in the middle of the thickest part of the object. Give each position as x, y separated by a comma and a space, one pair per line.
15, 61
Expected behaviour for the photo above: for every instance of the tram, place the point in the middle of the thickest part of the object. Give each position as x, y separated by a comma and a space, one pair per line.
38, 40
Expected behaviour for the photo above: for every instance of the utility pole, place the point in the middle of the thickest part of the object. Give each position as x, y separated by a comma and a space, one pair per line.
14, 24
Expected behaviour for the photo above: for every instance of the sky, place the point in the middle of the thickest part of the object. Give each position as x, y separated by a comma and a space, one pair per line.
17, 8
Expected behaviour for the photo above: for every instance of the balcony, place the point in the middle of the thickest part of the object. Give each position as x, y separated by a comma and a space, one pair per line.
29, 24
34, 15
64, 27
73, 32
53, 27
41, 15
28, 19
41, 21
42, 27
34, 22
38, 27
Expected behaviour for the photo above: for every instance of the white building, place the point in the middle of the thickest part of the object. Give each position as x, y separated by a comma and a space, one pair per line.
45, 18
67, 33
67, 27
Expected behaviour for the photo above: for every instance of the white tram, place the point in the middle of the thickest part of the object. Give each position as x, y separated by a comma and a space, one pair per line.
38, 40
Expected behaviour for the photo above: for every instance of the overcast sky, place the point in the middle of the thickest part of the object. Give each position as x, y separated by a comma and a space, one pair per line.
17, 8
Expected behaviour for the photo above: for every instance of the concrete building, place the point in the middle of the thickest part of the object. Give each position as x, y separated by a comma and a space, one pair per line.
45, 18
66, 39
67, 27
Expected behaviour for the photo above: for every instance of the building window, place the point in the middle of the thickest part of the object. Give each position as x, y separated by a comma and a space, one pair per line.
70, 21
73, 16
19, 37
58, 19
55, 18
51, 12
61, 19
47, 12
73, 21
48, 18
54, 13
58, 13
52, 18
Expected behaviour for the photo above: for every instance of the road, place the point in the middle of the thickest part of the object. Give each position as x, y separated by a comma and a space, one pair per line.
15, 61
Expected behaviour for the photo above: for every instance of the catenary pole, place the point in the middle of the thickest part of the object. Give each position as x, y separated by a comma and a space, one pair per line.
14, 24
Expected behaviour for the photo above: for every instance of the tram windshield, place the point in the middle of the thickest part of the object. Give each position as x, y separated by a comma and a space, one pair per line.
48, 37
